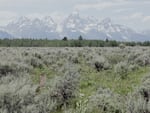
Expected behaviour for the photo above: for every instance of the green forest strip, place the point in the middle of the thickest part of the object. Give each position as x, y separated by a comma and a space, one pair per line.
67, 43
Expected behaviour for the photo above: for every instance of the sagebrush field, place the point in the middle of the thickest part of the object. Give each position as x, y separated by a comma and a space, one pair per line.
75, 80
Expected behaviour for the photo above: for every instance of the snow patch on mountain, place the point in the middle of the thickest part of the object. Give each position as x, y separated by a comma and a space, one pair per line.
33, 28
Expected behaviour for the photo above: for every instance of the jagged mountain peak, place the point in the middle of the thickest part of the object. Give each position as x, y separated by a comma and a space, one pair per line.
20, 20
33, 28
36, 21
105, 24
73, 21
72, 26
48, 20
74, 17
92, 19
23, 18
106, 21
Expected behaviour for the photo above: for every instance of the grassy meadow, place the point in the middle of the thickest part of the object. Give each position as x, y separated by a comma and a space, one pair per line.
75, 79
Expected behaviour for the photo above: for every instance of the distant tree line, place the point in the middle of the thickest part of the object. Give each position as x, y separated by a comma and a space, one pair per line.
65, 42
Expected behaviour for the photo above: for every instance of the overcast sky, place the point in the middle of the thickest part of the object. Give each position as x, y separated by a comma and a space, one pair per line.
132, 13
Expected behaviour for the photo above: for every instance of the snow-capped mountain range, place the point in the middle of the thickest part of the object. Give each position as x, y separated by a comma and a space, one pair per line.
73, 26
36, 28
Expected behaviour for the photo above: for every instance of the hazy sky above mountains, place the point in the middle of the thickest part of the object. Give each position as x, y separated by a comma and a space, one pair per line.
132, 13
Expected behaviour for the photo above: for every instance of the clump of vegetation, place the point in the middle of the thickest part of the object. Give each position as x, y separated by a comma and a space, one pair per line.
114, 58
100, 63
133, 67
65, 88
17, 96
36, 63
121, 69
20, 96
5, 69
105, 101
12, 69
74, 59
139, 101
143, 60
122, 46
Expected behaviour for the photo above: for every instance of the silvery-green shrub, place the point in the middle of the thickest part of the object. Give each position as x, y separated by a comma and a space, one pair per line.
36, 63
105, 101
19, 96
122, 46
139, 101
121, 69
100, 63
65, 88
143, 60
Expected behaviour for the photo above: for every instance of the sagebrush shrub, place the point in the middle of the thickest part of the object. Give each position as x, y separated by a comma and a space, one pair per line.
122, 46
143, 60
6, 69
132, 67
100, 63
74, 59
65, 88
17, 96
114, 58
121, 69
105, 101
37, 55
36, 63
20, 96
12, 69
139, 101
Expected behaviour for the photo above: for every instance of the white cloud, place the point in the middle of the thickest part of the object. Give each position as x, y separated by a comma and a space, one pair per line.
94, 6
7, 16
146, 19
100, 5
16, 2
122, 5
123, 10
137, 16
